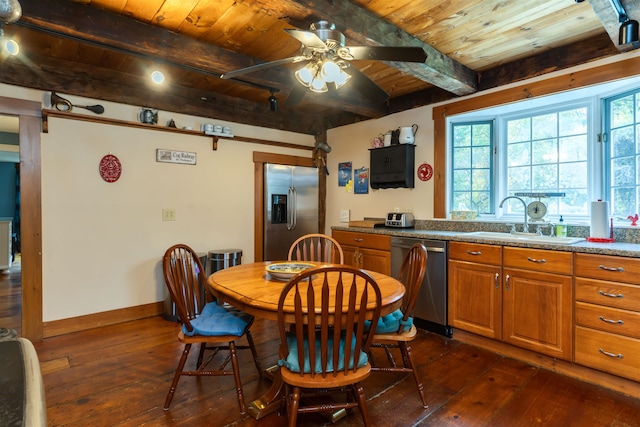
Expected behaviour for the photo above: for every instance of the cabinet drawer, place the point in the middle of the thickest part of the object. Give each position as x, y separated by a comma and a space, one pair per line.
614, 268
538, 259
476, 252
612, 294
363, 240
608, 319
608, 352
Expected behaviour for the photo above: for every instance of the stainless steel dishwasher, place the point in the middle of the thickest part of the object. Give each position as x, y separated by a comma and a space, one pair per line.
431, 307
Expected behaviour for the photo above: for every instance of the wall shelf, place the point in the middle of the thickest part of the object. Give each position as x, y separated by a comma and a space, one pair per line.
46, 113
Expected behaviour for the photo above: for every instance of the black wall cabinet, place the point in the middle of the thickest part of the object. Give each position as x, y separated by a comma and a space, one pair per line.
392, 166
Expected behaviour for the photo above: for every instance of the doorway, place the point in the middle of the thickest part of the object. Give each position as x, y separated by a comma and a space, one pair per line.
10, 255
30, 124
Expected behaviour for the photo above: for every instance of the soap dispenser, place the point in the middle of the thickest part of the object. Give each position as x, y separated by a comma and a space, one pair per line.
561, 229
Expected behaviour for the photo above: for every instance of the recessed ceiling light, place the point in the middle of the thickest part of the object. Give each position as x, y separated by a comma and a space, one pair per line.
157, 77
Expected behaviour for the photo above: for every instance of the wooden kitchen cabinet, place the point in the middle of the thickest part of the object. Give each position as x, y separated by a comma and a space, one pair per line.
607, 314
537, 300
520, 296
367, 251
475, 295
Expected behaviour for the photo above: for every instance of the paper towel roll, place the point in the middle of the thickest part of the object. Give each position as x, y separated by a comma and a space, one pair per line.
600, 219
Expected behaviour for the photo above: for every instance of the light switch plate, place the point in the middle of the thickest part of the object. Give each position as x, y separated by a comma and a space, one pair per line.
168, 214
344, 215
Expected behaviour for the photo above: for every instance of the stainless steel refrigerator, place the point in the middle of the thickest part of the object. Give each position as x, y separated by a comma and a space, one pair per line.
291, 207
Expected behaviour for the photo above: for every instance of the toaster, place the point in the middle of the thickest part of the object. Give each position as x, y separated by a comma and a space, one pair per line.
400, 220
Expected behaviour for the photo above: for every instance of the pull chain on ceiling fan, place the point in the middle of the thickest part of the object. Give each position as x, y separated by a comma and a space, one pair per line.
328, 62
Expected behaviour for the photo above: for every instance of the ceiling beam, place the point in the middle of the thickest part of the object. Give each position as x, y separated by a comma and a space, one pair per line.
366, 28
109, 85
97, 27
609, 18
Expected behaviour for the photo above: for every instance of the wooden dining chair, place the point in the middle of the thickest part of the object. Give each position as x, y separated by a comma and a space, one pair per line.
396, 330
323, 311
214, 327
316, 247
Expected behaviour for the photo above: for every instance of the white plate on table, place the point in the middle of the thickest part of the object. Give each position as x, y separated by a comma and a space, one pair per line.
285, 270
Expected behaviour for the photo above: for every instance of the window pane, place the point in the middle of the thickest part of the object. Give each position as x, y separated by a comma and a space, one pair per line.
573, 122
519, 130
472, 166
545, 152
622, 142
622, 111
545, 126
461, 158
519, 154
573, 148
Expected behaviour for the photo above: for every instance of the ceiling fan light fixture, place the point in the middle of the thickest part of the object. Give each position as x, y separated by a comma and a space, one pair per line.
342, 79
330, 71
305, 75
318, 85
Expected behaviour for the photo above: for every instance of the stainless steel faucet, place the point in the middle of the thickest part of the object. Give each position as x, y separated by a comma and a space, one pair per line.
526, 220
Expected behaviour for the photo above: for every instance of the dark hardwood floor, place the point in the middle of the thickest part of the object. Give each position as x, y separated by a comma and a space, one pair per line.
11, 296
119, 376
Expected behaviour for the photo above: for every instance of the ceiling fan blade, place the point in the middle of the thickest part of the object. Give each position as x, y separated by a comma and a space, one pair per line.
308, 39
296, 95
366, 86
388, 53
253, 68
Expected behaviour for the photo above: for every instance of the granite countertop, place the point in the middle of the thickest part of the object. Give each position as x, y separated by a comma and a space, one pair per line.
617, 248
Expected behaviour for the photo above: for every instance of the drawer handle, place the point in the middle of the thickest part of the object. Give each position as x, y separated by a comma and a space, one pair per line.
539, 261
606, 353
474, 253
606, 294
358, 239
615, 322
619, 269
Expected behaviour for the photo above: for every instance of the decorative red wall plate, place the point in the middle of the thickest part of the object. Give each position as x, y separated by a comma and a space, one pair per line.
110, 168
425, 172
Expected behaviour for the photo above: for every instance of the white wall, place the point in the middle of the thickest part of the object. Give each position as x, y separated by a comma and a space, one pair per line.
102, 242
351, 143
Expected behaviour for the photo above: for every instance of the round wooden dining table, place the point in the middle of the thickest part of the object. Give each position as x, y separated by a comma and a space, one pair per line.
249, 287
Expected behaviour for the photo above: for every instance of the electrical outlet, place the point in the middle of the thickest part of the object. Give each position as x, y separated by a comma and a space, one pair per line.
344, 215
168, 214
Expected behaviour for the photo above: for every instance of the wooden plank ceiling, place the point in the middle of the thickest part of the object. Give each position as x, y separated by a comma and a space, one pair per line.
105, 49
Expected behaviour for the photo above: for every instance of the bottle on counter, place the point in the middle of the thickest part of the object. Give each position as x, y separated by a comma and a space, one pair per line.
561, 228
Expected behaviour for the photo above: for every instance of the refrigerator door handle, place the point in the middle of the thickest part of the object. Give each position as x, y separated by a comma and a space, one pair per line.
294, 208
290, 208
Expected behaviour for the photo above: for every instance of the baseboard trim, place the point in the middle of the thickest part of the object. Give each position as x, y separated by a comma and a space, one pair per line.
583, 373
105, 318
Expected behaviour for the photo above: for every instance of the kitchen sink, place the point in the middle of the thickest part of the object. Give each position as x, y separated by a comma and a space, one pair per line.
533, 238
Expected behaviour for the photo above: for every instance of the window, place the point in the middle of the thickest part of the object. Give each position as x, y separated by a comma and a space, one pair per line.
584, 143
622, 134
547, 153
472, 166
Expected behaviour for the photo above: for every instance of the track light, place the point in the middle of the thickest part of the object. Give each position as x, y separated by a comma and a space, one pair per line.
273, 102
628, 28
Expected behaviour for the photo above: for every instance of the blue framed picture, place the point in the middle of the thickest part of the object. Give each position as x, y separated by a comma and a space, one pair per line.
361, 182
344, 173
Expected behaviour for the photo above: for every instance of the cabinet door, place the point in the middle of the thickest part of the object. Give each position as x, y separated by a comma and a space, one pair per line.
537, 312
351, 256
475, 298
375, 260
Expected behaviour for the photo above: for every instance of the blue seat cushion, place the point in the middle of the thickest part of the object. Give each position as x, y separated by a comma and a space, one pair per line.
215, 320
291, 361
391, 322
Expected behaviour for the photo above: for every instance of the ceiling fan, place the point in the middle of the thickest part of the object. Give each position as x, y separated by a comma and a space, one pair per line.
328, 61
